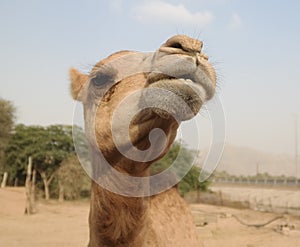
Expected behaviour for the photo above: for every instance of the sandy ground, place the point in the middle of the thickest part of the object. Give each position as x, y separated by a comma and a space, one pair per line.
271, 199
55, 224
65, 224
223, 229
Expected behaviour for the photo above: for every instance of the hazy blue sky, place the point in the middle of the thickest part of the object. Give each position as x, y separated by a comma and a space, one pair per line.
253, 44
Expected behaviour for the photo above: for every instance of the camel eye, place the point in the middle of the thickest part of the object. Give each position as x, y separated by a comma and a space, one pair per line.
102, 79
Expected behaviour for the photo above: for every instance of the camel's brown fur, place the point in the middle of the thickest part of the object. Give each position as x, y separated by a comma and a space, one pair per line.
116, 220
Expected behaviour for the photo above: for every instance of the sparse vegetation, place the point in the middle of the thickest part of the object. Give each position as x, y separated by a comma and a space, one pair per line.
190, 182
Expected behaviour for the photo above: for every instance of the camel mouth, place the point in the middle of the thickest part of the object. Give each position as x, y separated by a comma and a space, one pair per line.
184, 101
192, 90
195, 76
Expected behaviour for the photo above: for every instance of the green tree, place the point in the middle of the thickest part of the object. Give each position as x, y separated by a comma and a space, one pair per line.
7, 117
170, 157
190, 182
48, 147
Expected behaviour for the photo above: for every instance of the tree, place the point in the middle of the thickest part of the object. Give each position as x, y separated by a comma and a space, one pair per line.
7, 117
169, 158
72, 179
190, 181
48, 147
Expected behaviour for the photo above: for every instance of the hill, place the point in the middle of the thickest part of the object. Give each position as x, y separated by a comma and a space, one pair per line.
247, 161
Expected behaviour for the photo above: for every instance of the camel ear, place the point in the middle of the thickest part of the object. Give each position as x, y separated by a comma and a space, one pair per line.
77, 82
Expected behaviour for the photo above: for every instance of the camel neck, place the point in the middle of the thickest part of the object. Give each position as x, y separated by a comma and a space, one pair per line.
116, 220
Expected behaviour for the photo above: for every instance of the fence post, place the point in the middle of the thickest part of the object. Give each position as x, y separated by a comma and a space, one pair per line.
28, 207
4, 180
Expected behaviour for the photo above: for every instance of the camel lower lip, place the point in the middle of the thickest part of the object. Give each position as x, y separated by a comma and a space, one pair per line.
180, 98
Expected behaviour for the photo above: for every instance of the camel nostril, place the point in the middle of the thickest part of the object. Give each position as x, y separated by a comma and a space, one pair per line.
176, 45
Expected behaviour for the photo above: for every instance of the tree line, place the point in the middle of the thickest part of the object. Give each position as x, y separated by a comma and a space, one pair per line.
54, 161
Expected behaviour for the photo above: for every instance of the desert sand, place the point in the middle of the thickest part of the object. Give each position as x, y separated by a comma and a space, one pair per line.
66, 224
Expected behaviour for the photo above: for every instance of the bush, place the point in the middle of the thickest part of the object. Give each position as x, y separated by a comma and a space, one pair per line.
72, 179
190, 182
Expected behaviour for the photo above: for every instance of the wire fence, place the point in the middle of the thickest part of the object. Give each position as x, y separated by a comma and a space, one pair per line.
293, 182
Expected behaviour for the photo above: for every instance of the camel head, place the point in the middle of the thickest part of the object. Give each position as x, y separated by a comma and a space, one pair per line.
129, 94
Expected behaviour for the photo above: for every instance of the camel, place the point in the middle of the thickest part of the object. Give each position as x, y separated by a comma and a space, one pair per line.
164, 219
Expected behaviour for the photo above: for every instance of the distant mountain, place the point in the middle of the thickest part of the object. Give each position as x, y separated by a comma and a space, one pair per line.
246, 161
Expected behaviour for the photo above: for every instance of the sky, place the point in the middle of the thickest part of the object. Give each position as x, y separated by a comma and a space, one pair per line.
254, 46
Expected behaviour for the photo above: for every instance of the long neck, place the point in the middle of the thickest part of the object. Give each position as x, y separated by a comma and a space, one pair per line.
116, 220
